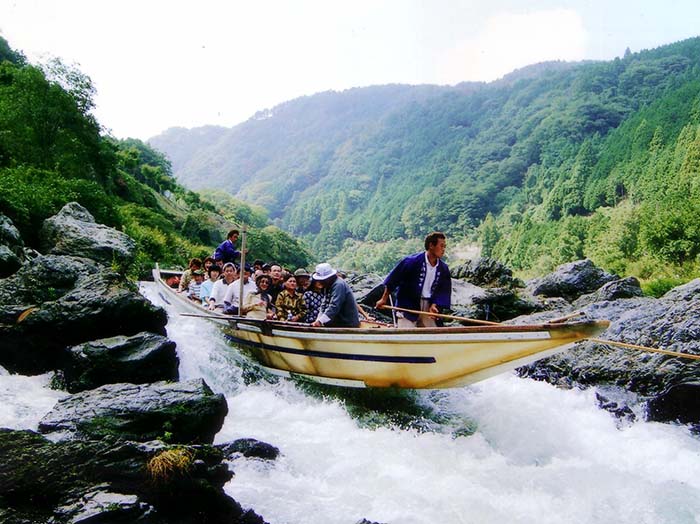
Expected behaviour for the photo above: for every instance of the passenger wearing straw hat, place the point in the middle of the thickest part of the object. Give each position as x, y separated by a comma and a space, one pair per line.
342, 308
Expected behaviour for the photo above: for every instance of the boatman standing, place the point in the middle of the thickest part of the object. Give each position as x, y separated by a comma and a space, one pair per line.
226, 251
422, 283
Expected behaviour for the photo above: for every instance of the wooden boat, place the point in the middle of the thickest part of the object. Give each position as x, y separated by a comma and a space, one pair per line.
385, 356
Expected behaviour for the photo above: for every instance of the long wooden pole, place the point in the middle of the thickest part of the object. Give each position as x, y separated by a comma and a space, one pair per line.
241, 273
439, 315
644, 348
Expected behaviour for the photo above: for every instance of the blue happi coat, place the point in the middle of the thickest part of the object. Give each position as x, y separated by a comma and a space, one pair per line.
407, 278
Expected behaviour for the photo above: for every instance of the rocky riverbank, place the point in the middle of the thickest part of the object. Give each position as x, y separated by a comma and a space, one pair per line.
131, 443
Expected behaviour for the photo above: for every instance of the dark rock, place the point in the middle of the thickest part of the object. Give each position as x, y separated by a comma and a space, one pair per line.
486, 272
182, 412
571, 280
250, 448
11, 248
100, 481
621, 411
679, 402
501, 304
139, 359
67, 301
73, 231
623, 288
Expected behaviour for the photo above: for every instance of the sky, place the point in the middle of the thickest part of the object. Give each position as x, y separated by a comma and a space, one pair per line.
158, 64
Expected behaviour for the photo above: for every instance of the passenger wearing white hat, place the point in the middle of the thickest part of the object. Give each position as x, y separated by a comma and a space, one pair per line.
342, 308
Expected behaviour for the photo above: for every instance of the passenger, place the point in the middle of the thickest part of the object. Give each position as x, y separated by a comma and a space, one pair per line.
341, 310
208, 262
257, 265
218, 291
173, 281
290, 305
276, 281
226, 251
205, 291
231, 299
303, 280
186, 278
422, 282
258, 304
193, 291
313, 298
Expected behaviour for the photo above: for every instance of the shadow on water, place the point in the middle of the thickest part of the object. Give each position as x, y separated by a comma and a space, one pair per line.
419, 410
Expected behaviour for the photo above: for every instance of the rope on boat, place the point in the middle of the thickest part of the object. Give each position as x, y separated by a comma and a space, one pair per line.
644, 348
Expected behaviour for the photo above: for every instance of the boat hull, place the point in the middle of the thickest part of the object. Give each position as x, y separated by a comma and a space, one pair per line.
389, 357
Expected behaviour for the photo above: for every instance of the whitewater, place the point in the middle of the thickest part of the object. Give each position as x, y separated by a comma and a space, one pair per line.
505, 450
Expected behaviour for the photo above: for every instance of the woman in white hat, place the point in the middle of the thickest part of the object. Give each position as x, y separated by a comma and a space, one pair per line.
342, 308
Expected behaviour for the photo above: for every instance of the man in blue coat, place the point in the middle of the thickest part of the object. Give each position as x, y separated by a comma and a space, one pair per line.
422, 282
227, 252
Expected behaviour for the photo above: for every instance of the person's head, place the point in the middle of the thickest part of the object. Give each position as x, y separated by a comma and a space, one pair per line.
316, 285
214, 272
258, 264
263, 282
233, 235
290, 283
198, 276
435, 244
325, 274
303, 278
276, 273
247, 270
195, 263
266, 268
208, 262
230, 273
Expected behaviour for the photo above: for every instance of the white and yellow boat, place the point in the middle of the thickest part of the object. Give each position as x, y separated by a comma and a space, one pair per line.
385, 356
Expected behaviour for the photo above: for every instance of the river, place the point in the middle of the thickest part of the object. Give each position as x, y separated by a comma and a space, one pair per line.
506, 450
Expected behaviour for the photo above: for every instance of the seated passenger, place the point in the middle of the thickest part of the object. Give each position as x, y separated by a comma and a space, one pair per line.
303, 280
290, 304
186, 278
258, 304
231, 299
218, 291
341, 308
207, 286
313, 298
193, 291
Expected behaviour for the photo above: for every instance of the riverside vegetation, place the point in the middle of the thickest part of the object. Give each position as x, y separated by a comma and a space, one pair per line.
552, 163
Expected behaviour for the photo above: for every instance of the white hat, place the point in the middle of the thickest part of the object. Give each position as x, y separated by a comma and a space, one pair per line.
323, 271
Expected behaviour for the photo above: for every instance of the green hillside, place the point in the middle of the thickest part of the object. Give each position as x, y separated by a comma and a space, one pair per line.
52, 151
553, 162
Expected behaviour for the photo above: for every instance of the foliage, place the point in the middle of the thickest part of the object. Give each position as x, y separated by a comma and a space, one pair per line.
52, 152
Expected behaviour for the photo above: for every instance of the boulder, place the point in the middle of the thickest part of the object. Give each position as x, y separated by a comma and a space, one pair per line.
60, 301
571, 280
486, 272
622, 288
249, 448
11, 248
182, 412
73, 231
138, 359
112, 480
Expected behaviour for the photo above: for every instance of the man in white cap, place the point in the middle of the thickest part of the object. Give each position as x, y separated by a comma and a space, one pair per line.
342, 308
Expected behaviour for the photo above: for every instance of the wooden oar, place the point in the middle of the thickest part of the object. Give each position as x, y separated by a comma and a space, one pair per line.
644, 348
439, 315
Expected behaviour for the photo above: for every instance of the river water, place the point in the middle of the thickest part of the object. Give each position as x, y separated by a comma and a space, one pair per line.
506, 450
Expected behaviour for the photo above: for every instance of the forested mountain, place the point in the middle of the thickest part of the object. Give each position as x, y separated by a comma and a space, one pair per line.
52, 151
553, 162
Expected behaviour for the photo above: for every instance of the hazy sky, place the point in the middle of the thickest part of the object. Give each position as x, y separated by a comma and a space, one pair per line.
163, 63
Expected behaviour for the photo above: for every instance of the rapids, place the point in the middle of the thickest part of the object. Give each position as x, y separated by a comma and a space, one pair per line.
504, 450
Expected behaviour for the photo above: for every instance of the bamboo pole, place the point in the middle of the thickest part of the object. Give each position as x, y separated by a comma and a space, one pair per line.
439, 315
565, 318
241, 273
645, 348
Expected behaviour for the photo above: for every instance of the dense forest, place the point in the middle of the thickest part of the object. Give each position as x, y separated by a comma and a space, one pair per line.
554, 162
53, 151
